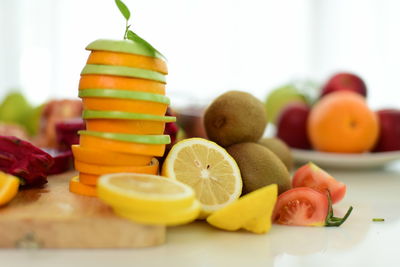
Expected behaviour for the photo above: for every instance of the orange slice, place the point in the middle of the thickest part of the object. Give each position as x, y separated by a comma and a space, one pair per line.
152, 168
121, 83
106, 157
75, 186
126, 126
127, 105
88, 179
129, 60
88, 141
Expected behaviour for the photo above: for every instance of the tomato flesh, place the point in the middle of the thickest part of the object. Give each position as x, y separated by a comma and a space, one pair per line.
301, 206
310, 175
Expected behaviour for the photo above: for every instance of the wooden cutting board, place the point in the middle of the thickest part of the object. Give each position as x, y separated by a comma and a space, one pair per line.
52, 217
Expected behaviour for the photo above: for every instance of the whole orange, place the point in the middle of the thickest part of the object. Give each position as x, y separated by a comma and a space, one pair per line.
342, 122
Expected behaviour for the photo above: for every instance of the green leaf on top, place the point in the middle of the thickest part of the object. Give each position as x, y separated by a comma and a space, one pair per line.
123, 8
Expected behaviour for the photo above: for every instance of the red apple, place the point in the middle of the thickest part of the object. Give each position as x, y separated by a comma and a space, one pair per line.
346, 82
54, 112
389, 136
292, 125
190, 119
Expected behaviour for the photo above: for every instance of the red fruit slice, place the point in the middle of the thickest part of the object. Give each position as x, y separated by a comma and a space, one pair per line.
62, 161
301, 206
310, 175
24, 160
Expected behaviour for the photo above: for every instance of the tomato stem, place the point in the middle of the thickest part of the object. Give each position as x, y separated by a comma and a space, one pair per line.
330, 220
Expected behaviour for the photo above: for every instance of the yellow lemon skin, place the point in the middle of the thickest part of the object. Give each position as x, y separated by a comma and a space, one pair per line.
9, 185
251, 212
171, 218
149, 199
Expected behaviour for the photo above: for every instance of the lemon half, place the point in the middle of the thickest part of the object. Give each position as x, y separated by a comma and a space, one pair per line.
208, 169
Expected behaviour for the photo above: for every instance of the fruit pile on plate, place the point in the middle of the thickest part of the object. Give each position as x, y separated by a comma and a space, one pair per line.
338, 121
122, 88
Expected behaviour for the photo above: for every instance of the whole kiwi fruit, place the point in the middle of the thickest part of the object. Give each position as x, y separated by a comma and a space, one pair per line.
280, 149
259, 167
235, 117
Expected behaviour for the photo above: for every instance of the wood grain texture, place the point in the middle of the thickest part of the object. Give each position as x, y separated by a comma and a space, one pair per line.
52, 217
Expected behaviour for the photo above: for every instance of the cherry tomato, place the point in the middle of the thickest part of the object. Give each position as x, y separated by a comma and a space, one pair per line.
310, 175
301, 206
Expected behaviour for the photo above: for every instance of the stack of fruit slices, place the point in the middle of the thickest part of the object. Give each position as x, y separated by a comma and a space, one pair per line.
122, 88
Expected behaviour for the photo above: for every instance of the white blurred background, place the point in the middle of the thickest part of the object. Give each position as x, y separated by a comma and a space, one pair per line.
212, 45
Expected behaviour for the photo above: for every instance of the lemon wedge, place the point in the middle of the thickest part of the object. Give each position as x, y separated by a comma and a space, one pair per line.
208, 169
148, 199
9, 185
251, 212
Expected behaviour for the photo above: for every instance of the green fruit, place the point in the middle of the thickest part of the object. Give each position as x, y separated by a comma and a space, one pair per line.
259, 167
235, 117
96, 114
139, 47
123, 71
279, 148
279, 98
33, 121
134, 138
122, 94
15, 109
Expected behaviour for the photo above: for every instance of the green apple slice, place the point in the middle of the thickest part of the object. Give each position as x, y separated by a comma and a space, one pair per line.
138, 47
96, 114
123, 71
122, 94
133, 138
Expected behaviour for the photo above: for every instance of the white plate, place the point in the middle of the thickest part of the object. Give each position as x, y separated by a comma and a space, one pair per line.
345, 161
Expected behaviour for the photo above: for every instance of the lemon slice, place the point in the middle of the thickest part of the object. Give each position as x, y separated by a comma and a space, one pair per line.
252, 212
133, 192
163, 218
208, 169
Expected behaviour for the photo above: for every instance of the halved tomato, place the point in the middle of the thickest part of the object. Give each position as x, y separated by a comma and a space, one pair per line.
301, 206
310, 175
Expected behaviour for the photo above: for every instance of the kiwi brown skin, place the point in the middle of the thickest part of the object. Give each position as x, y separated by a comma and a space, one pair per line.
280, 149
259, 167
235, 117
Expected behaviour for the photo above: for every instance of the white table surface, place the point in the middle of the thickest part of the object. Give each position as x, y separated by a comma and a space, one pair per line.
358, 242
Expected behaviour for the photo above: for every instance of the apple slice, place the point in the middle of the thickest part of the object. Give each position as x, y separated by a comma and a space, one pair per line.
123, 71
125, 46
97, 114
110, 93
133, 138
